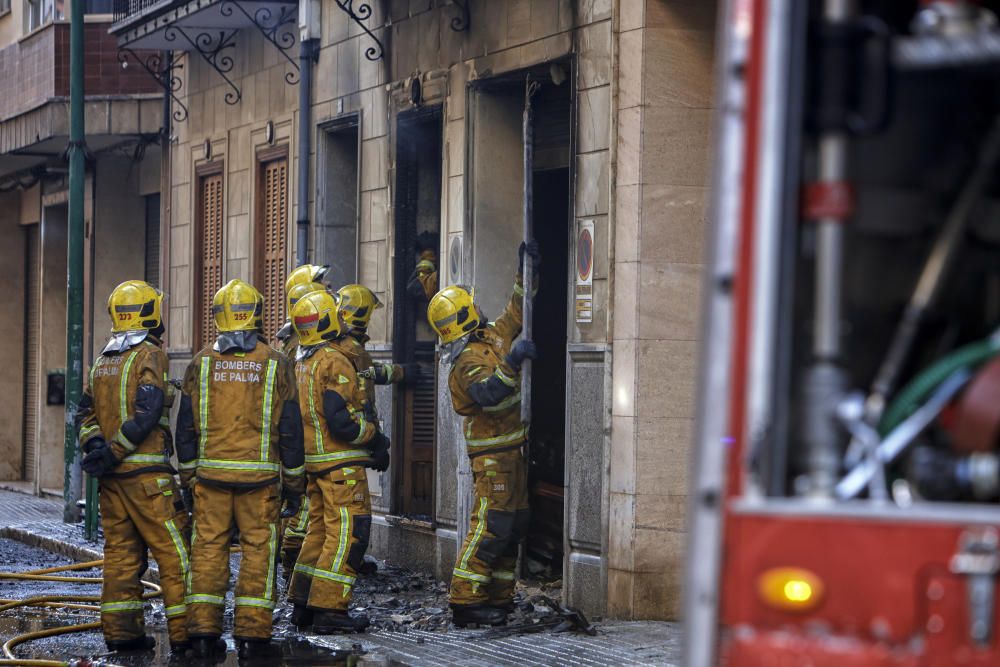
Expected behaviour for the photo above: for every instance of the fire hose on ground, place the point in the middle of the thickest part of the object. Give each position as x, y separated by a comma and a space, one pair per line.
57, 601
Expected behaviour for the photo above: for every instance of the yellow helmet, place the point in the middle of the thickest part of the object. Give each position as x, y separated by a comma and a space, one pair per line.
315, 318
134, 306
307, 273
357, 303
300, 290
452, 312
238, 307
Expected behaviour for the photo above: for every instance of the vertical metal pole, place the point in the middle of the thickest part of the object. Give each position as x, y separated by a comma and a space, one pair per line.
74, 264
528, 136
306, 51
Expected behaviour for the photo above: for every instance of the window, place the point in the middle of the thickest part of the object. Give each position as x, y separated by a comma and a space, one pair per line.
271, 239
4, 7
99, 7
39, 12
208, 249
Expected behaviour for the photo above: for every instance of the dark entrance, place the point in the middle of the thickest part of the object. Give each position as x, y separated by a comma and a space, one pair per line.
417, 225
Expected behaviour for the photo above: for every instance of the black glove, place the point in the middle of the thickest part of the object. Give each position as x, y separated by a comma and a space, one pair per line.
415, 288
293, 503
937, 474
411, 374
99, 461
379, 447
187, 495
523, 349
534, 252
93, 443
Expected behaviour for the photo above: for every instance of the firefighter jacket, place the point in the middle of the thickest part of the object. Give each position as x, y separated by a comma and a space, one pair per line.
369, 373
481, 369
239, 422
332, 404
125, 404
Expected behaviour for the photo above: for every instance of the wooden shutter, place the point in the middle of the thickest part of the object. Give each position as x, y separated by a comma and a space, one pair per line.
32, 324
209, 281
272, 238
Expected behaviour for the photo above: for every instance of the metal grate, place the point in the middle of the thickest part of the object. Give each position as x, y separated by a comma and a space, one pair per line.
32, 298
273, 240
210, 211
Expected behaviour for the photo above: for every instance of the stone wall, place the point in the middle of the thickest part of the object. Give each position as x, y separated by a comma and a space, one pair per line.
664, 120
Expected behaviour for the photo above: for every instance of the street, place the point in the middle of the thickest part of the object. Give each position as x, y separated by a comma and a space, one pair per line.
410, 622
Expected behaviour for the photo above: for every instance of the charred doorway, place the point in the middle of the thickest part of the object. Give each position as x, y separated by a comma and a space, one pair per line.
417, 222
496, 109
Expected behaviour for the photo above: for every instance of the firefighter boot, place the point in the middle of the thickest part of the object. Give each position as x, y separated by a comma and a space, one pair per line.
333, 622
207, 648
257, 649
302, 617
464, 615
144, 643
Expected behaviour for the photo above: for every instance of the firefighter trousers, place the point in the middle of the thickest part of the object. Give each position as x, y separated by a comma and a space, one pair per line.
293, 533
336, 540
484, 572
140, 512
255, 512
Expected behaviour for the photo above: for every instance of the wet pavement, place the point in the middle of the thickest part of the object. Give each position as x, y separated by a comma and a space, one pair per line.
409, 613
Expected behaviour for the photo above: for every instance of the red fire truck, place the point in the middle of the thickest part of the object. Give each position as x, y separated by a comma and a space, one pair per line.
845, 492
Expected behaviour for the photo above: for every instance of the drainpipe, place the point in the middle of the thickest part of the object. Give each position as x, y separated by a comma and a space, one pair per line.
309, 28
72, 482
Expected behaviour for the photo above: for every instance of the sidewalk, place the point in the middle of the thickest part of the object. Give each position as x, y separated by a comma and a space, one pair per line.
38, 522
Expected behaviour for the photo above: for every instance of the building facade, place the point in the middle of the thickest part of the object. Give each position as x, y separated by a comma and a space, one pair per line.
124, 118
411, 135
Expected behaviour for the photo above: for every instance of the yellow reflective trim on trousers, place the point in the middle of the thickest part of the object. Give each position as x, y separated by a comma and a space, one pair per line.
175, 611
265, 417
203, 406
345, 531
505, 575
272, 548
123, 386
511, 400
86, 431
293, 472
255, 602
337, 456
118, 607
471, 576
506, 439
203, 598
317, 427
194, 535
478, 535
182, 552
345, 579
503, 377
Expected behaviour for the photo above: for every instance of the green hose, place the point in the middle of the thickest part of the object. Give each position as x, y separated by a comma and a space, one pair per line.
919, 388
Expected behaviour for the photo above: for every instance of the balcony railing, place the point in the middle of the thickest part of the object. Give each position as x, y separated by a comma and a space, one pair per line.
125, 10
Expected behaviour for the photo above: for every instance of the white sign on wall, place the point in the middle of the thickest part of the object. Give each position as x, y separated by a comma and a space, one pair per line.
585, 271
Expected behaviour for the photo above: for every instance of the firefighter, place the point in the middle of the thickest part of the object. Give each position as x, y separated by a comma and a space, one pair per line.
340, 444
423, 283
357, 303
485, 389
293, 529
124, 432
239, 431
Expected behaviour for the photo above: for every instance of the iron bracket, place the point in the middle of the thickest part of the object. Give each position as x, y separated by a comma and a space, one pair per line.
462, 22
165, 75
359, 16
212, 49
279, 31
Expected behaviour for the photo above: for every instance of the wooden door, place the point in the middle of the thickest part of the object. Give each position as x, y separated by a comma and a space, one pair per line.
272, 236
209, 252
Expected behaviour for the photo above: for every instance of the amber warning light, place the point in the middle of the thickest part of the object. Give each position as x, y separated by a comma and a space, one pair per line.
790, 589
